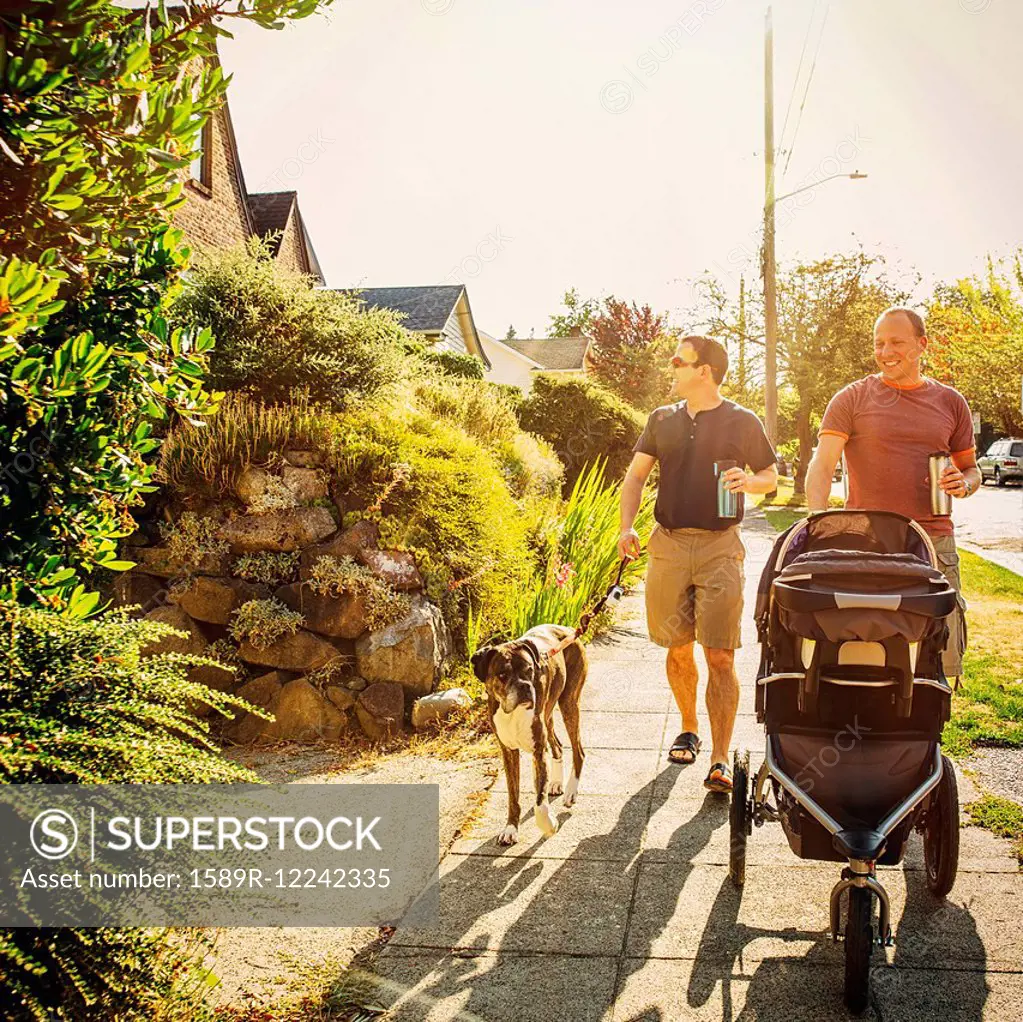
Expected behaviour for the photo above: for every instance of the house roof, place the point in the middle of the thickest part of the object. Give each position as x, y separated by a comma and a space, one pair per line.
270, 213
552, 352
497, 342
427, 309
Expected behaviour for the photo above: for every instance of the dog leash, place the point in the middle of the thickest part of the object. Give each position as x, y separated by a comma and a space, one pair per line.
614, 593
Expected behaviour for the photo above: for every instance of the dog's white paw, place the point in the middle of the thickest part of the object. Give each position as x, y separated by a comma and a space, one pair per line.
544, 821
556, 788
571, 791
508, 836
557, 778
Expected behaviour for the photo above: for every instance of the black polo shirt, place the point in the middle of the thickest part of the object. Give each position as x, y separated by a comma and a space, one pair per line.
686, 450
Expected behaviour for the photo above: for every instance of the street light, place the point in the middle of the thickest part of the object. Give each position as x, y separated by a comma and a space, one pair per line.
770, 289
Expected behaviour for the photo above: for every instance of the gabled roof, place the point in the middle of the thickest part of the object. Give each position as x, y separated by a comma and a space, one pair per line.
427, 309
552, 352
270, 214
497, 342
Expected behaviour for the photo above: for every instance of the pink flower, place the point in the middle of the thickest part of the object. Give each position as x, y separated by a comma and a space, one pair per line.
565, 573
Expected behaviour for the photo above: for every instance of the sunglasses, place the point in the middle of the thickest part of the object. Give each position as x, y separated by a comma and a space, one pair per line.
678, 362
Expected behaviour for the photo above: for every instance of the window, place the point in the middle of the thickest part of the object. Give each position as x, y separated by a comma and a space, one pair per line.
995, 449
1016, 451
200, 170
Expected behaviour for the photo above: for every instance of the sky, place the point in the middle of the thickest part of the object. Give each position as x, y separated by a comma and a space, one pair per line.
525, 148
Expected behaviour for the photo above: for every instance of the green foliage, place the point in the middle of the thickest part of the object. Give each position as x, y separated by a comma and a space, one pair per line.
581, 557
191, 540
976, 333
272, 569
579, 313
456, 363
277, 332
582, 421
340, 576
263, 622
1001, 816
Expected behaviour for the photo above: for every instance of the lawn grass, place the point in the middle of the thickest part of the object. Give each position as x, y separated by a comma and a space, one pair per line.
784, 509
1001, 816
988, 707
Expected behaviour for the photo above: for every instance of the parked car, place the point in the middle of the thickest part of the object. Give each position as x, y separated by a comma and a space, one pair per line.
1004, 460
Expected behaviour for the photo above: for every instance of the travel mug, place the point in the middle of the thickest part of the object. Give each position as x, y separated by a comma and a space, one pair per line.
941, 502
728, 502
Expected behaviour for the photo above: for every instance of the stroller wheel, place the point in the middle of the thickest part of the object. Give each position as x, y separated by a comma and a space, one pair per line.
941, 833
859, 942
739, 817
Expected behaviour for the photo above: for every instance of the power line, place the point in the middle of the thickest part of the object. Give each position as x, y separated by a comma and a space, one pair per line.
806, 91
799, 71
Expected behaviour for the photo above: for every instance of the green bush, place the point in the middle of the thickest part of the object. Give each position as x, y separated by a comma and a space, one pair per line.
277, 332
582, 421
456, 363
580, 556
80, 704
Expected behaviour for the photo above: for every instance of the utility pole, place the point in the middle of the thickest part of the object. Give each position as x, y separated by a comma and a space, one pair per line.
743, 382
770, 291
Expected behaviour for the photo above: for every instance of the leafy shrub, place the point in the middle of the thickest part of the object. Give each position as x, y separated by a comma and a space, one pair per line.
337, 576
263, 622
456, 363
191, 539
582, 558
276, 331
530, 466
583, 422
272, 569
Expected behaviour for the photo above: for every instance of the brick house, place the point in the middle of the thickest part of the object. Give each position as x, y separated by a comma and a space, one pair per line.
219, 211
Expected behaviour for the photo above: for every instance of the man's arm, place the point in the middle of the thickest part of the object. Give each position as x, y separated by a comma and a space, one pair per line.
632, 495
738, 480
822, 469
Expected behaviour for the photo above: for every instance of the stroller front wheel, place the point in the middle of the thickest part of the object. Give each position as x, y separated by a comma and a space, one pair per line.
859, 942
941, 833
739, 817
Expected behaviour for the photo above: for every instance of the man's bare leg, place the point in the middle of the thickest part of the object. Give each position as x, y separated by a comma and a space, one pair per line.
722, 700
682, 678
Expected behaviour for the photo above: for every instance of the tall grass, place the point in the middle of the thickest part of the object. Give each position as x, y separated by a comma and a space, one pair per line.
584, 558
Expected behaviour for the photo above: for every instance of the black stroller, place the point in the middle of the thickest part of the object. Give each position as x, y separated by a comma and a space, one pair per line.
851, 620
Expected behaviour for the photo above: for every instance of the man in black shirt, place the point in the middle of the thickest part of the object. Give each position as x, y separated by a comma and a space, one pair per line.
694, 584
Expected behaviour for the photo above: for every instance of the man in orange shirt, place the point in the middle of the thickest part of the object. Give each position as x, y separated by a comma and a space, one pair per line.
888, 425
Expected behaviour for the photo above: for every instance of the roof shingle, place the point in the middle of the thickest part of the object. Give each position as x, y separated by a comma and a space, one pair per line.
426, 309
270, 212
552, 352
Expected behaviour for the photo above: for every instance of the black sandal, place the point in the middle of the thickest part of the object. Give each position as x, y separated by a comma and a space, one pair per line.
686, 742
719, 779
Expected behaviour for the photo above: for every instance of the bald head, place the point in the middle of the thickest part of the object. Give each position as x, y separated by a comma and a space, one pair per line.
900, 339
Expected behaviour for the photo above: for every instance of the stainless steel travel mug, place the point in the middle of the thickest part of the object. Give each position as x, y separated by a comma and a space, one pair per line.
941, 502
728, 502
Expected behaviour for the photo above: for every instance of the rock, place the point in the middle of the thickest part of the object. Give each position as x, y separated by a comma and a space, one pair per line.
340, 697
356, 684
263, 690
303, 715
157, 560
215, 599
381, 709
303, 459
302, 651
341, 617
352, 542
278, 531
437, 706
410, 650
252, 484
307, 484
193, 641
396, 567
133, 588
220, 679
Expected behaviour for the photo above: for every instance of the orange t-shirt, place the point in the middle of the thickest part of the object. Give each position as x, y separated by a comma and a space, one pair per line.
890, 432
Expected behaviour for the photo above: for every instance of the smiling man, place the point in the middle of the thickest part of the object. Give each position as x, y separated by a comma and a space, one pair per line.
695, 579
888, 425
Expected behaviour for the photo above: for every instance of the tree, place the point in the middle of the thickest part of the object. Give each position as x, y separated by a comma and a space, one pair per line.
629, 352
576, 320
976, 332
101, 109
510, 336
826, 313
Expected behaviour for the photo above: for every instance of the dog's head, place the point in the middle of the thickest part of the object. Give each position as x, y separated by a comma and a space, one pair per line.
510, 672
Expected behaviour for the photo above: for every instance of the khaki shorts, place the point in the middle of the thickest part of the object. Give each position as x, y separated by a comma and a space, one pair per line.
694, 586
948, 561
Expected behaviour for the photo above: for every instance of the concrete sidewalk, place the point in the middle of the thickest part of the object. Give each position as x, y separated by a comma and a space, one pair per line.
627, 913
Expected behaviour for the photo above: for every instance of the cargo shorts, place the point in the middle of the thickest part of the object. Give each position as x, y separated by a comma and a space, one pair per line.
694, 587
948, 562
